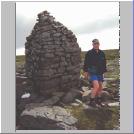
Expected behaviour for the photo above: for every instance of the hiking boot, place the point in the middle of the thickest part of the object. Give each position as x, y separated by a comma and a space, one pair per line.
92, 102
99, 102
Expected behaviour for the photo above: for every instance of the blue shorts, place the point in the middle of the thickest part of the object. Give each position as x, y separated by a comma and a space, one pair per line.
96, 77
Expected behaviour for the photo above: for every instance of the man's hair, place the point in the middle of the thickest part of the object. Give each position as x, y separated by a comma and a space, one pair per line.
95, 41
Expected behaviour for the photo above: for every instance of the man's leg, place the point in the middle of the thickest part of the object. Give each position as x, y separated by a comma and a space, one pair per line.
100, 81
95, 88
99, 95
94, 93
100, 88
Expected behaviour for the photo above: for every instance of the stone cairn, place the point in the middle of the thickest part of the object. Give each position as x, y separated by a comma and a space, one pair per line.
52, 56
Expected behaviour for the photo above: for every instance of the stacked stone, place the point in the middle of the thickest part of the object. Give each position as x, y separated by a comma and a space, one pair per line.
52, 56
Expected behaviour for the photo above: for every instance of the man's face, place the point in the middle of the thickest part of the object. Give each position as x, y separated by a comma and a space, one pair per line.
96, 45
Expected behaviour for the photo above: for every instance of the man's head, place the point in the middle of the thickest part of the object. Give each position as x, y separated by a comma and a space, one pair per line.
95, 43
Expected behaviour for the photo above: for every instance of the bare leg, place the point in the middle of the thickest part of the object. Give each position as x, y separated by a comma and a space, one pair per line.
95, 88
99, 98
100, 89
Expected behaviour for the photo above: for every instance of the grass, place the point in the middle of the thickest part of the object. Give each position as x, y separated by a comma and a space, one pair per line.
20, 59
103, 119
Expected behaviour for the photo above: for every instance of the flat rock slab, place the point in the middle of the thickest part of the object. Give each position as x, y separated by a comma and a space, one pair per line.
47, 118
109, 79
114, 104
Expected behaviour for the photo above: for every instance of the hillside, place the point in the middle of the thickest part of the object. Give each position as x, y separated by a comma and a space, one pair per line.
112, 57
104, 118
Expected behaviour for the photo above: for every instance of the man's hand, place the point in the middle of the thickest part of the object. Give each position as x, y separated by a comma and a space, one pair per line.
86, 75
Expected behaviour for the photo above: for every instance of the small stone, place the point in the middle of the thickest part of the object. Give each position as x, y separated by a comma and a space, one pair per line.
86, 95
49, 55
26, 95
74, 104
24, 83
113, 104
85, 88
78, 101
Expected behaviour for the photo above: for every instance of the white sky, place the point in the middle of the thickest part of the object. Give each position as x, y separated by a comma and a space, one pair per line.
88, 20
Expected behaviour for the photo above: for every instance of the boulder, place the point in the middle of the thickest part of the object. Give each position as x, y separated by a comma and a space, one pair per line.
70, 96
86, 95
50, 102
106, 96
36, 117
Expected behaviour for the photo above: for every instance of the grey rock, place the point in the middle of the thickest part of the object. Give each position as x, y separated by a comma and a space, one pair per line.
58, 94
75, 104
53, 100
78, 101
70, 96
66, 127
113, 104
106, 96
109, 79
49, 55
85, 88
46, 117
86, 95
57, 34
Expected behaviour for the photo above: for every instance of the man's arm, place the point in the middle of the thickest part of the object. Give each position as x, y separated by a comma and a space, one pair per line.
105, 63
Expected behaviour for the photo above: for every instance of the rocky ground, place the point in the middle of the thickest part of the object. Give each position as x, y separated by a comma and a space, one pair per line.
36, 112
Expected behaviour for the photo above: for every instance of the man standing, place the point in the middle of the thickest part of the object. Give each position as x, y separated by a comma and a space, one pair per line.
94, 68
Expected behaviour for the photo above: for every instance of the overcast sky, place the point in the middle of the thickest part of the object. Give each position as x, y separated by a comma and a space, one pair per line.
88, 20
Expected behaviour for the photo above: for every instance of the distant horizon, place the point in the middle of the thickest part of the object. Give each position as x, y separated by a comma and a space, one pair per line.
81, 51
